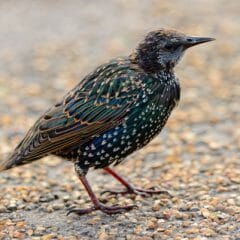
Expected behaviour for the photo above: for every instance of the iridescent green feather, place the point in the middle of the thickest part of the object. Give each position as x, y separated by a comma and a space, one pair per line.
96, 104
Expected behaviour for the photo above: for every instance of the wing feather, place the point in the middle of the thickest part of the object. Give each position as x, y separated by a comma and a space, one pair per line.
98, 103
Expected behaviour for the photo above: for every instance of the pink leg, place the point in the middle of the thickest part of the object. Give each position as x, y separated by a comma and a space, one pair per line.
97, 204
129, 188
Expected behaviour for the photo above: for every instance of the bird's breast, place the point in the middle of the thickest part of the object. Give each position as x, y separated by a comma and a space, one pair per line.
139, 128
144, 121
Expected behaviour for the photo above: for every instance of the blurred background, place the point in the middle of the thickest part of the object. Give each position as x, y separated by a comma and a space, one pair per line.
46, 47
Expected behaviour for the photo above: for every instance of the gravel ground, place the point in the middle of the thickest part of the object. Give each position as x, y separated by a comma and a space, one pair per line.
47, 46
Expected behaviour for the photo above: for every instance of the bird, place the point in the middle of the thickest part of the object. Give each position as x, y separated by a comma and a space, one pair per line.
113, 111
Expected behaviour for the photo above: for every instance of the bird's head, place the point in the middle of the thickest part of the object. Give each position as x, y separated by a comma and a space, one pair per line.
163, 49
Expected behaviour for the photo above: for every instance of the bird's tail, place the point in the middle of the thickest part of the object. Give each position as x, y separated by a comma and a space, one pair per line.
12, 161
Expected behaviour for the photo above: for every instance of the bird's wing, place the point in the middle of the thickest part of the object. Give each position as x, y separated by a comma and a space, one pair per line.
97, 104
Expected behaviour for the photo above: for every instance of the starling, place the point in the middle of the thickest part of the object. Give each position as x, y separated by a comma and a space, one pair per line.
116, 109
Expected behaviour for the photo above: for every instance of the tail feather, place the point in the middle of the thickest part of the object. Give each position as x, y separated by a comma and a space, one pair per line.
12, 161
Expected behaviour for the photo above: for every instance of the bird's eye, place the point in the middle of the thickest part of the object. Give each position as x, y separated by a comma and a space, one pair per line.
171, 47
189, 39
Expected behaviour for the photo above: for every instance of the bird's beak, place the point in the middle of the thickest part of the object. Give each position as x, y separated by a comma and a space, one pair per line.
192, 41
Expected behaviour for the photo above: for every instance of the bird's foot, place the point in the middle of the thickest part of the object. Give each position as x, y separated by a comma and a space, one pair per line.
100, 206
136, 191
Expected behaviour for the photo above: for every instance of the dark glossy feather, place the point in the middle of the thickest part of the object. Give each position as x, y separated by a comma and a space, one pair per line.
95, 105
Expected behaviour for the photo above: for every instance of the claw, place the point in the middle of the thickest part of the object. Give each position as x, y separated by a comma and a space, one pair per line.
106, 209
70, 210
136, 191
113, 192
152, 191
79, 211
131, 189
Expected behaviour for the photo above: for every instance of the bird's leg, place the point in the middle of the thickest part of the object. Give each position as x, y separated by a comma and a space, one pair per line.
97, 205
130, 189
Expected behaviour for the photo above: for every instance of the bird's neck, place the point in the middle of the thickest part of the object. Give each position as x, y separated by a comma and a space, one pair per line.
148, 63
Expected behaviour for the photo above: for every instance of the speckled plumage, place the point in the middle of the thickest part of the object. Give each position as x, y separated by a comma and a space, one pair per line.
134, 96
113, 111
